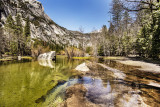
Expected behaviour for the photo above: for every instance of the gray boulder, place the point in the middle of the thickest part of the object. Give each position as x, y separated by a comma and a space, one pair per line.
47, 56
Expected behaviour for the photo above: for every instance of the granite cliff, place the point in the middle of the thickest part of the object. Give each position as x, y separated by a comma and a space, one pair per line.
42, 26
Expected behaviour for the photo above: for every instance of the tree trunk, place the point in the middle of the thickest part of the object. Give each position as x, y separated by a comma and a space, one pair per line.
0, 55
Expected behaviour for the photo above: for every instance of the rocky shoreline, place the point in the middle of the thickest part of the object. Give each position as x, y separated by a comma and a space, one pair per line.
102, 86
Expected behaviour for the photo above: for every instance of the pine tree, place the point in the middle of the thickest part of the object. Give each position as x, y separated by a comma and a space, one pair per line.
111, 28
18, 33
104, 38
156, 35
27, 35
104, 31
126, 19
116, 12
10, 23
2, 42
101, 51
19, 27
27, 32
9, 27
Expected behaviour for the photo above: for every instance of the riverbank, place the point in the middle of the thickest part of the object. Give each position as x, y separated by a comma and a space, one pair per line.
141, 65
149, 65
91, 83
10, 58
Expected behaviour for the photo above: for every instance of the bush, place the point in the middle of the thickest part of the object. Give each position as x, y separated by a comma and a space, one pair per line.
101, 51
8, 53
88, 50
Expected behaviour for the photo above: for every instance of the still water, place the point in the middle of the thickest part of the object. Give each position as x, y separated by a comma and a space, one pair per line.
22, 84
43, 84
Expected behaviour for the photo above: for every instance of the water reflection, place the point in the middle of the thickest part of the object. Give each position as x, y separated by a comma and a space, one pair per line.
21, 84
46, 63
110, 94
57, 95
44, 83
138, 88
106, 87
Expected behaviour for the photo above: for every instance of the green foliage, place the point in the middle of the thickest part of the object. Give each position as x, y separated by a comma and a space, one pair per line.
8, 53
36, 42
27, 32
156, 34
13, 48
18, 27
36, 23
126, 19
80, 46
141, 36
101, 51
144, 42
88, 50
10, 23
43, 44
18, 43
126, 45
2, 42
114, 45
148, 41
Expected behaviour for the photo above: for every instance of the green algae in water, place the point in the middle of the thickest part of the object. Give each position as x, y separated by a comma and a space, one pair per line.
21, 84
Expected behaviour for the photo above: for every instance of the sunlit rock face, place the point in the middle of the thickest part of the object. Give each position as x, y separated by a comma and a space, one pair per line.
47, 56
42, 26
82, 67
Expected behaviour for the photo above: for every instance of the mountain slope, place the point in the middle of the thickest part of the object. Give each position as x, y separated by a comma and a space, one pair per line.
42, 27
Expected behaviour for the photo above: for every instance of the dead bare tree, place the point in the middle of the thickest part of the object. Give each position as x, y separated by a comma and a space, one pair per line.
138, 5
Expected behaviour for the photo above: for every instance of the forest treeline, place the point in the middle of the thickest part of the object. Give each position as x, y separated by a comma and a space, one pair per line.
134, 30
16, 39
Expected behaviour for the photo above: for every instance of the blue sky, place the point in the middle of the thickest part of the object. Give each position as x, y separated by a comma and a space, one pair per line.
72, 14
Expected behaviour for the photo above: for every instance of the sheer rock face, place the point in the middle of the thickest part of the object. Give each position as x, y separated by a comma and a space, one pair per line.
42, 26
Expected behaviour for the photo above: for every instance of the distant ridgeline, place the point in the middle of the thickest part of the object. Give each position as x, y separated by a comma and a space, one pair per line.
26, 30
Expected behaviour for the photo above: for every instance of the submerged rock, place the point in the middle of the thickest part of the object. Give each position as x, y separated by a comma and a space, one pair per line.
75, 97
82, 67
61, 82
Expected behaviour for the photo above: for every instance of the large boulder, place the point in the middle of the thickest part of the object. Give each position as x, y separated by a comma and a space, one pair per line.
47, 56
82, 67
